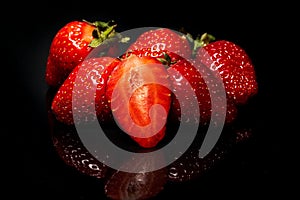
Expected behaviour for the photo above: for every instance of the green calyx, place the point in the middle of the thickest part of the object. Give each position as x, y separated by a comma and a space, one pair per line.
166, 60
202, 41
102, 31
199, 42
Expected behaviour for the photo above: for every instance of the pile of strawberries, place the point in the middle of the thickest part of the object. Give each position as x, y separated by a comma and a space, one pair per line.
180, 63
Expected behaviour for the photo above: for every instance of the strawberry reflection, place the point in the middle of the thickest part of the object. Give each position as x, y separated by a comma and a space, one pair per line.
69, 147
120, 185
142, 185
190, 166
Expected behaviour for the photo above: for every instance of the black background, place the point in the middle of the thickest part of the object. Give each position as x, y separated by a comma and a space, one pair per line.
262, 168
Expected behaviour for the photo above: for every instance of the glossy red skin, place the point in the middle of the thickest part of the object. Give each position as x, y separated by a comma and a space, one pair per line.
94, 72
189, 82
69, 47
193, 83
163, 39
232, 64
143, 97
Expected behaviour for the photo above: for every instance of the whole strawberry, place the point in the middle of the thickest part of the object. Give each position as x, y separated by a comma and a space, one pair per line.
90, 90
160, 39
70, 46
195, 85
231, 63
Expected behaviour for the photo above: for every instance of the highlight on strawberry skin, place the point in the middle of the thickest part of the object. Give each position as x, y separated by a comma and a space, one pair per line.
161, 80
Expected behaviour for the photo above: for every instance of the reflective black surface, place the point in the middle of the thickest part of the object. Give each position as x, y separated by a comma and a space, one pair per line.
260, 167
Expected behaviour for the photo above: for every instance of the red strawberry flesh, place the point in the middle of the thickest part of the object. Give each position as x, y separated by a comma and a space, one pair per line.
135, 88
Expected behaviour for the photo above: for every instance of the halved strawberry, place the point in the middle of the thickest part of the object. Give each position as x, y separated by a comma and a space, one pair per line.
71, 45
90, 89
136, 85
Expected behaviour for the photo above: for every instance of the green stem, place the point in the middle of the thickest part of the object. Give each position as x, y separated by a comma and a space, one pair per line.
166, 60
107, 32
102, 31
202, 41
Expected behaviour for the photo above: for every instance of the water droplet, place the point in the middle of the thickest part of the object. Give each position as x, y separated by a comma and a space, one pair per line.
74, 151
94, 167
173, 173
85, 161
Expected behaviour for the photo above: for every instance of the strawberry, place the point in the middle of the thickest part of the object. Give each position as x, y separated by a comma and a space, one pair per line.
190, 79
188, 82
160, 39
71, 45
91, 82
231, 63
222, 104
132, 90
